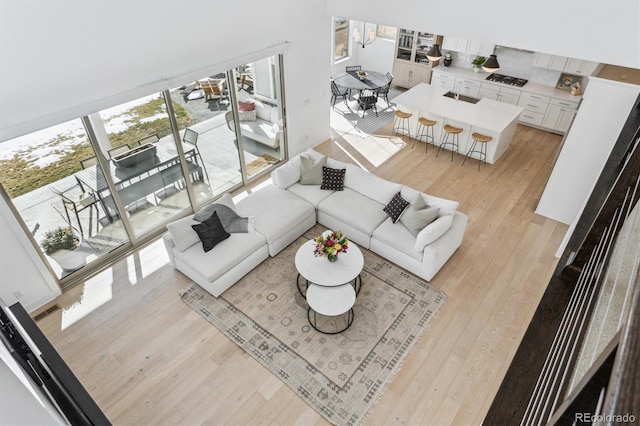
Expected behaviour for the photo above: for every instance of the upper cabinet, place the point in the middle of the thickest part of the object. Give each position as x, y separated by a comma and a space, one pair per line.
473, 47
564, 64
411, 65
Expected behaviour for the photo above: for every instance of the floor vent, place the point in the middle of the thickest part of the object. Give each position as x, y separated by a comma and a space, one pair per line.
46, 312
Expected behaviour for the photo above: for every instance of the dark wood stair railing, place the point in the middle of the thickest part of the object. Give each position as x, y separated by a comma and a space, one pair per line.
535, 389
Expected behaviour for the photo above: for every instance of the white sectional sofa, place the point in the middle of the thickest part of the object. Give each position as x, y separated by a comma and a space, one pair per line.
283, 211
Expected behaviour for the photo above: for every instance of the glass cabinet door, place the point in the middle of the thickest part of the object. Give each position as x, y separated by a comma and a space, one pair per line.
424, 44
405, 44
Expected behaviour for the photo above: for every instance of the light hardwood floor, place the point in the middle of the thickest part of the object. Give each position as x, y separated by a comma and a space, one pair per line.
147, 358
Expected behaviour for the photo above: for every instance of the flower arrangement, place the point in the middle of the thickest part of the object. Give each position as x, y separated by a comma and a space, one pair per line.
59, 238
330, 244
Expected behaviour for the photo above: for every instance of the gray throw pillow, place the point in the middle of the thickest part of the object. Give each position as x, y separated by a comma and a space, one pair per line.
229, 219
418, 215
311, 170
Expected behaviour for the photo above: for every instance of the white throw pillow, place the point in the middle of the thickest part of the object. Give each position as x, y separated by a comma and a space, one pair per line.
433, 231
184, 236
287, 174
226, 200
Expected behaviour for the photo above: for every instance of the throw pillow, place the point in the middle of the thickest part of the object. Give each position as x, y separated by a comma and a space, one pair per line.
332, 179
418, 215
433, 231
311, 170
230, 220
396, 207
247, 115
246, 106
182, 234
210, 232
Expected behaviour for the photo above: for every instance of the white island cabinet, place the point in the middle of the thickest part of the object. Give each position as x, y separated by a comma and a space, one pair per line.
496, 119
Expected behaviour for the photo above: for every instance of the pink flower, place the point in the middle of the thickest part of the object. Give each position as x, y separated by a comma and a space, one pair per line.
330, 243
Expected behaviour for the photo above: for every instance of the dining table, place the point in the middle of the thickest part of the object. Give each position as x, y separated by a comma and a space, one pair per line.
350, 80
146, 176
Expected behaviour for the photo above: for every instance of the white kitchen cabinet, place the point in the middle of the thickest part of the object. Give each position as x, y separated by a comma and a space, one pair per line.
468, 87
552, 62
454, 43
580, 67
489, 91
443, 80
480, 48
509, 95
559, 115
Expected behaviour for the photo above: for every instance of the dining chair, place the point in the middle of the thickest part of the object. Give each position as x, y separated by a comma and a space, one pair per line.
84, 201
118, 150
353, 68
384, 90
367, 100
191, 137
338, 92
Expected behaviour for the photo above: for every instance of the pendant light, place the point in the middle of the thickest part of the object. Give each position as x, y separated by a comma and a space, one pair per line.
434, 54
491, 64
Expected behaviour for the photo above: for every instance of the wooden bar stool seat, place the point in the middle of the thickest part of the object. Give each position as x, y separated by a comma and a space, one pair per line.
424, 124
401, 123
449, 130
478, 138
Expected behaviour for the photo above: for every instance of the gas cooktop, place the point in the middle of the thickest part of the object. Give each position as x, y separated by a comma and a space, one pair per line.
505, 79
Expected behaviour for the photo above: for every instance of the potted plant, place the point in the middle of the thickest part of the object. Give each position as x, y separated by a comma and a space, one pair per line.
60, 244
477, 63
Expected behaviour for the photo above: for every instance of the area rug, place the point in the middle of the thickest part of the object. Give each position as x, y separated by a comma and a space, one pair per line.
341, 375
347, 120
260, 163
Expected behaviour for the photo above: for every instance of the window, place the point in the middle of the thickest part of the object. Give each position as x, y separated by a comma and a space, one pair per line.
385, 31
341, 38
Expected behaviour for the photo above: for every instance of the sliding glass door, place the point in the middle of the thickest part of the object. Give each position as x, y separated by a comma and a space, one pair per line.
113, 179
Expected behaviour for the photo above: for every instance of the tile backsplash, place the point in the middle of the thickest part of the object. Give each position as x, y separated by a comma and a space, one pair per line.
514, 63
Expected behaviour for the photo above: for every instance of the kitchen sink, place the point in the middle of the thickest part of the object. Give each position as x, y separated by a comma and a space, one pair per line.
464, 98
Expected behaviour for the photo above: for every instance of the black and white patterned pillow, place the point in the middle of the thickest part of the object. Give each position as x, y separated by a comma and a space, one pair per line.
332, 179
396, 207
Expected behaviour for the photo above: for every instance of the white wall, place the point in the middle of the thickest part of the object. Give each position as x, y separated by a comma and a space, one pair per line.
607, 32
604, 109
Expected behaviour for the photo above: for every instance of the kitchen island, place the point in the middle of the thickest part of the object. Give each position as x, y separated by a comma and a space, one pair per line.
496, 119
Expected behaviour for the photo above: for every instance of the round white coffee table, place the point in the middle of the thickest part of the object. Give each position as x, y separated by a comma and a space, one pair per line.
318, 270
331, 302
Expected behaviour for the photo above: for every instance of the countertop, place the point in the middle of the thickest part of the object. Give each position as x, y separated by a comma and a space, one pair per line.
486, 114
532, 87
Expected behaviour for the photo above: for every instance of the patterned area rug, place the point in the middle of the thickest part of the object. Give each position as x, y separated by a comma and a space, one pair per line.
340, 375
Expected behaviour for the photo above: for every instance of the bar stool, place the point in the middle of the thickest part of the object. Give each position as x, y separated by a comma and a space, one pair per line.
478, 138
401, 123
422, 131
449, 130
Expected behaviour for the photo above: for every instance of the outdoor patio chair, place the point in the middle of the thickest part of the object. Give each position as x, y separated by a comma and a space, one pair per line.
367, 100
88, 162
338, 92
83, 202
212, 91
149, 139
191, 137
118, 150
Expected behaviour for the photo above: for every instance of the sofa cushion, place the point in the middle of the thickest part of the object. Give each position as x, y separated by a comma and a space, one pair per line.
396, 207
230, 220
311, 193
264, 111
354, 209
442, 203
275, 210
224, 256
418, 215
183, 235
287, 174
433, 231
311, 169
332, 179
211, 232
371, 185
398, 237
